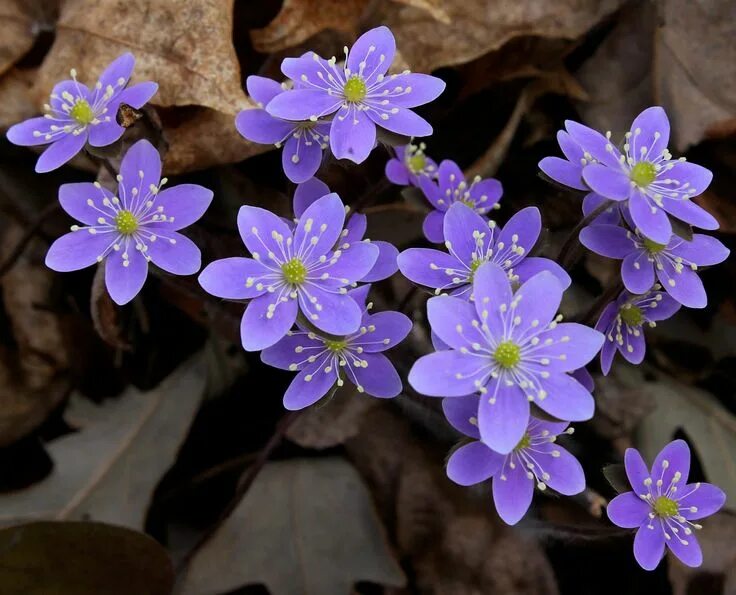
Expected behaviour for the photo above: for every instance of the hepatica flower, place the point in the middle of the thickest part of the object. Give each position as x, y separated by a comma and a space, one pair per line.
76, 114
292, 271
645, 175
127, 230
359, 93
451, 187
537, 460
674, 264
303, 142
472, 240
513, 350
325, 361
355, 227
623, 323
410, 164
662, 506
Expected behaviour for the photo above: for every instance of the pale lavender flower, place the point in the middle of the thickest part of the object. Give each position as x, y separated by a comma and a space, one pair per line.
303, 142
662, 506
127, 230
359, 93
537, 460
326, 361
77, 114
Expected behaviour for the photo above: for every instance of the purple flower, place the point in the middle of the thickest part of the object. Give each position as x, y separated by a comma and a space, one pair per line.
76, 114
451, 187
292, 271
512, 349
323, 361
359, 93
128, 229
308, 192
472, 240
663, 506
674, 264
303, 142
645, 175
410, 164
536, 460
610, 216
623, 322
568, 171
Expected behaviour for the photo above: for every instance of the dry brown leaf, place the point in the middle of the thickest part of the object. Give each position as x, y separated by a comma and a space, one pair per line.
32, 378
653, 57
446, 534
184, 46
15, 96
20, 22
479, 26
298, 20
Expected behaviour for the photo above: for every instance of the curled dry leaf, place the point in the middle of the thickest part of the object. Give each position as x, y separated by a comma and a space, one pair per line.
653, 57
20, 22
15, 96
104, 313
305, 526
32, 376
109, 468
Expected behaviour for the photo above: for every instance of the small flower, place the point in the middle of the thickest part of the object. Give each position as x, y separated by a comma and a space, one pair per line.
568, 171
129, 229
410, 164
308, 192
359, 93
472, 240
451, 187
674, 263
645, 175
292, 271
513, 350
663, 506
537, 459
76, 114
303, 142
624, 320
324, 361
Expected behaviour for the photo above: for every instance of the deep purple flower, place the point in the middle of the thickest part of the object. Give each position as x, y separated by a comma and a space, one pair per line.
674, 264
663, 506
410, 164
536, 460
76, 114
355, 227
128, 229
512, 349
645, 175
480, 195
324, 361
472, 240
303, 142
359, 93
624, 320
292, 271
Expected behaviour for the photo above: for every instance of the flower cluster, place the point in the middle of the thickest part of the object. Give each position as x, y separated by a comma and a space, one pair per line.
337, 103
76, 114
662, 506
639, 198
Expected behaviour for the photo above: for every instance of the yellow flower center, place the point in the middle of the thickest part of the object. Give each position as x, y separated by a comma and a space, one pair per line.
294, 271
416, 163
82, 112
631, 315
665, 507
643, 173
507, 354
355, 89
525, 442
653, 247
335, 346
126, 222
467, 201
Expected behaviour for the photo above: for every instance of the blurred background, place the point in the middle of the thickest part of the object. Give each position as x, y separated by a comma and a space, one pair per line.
151, 417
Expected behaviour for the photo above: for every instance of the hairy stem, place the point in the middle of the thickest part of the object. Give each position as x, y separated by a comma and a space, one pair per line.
610, 294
